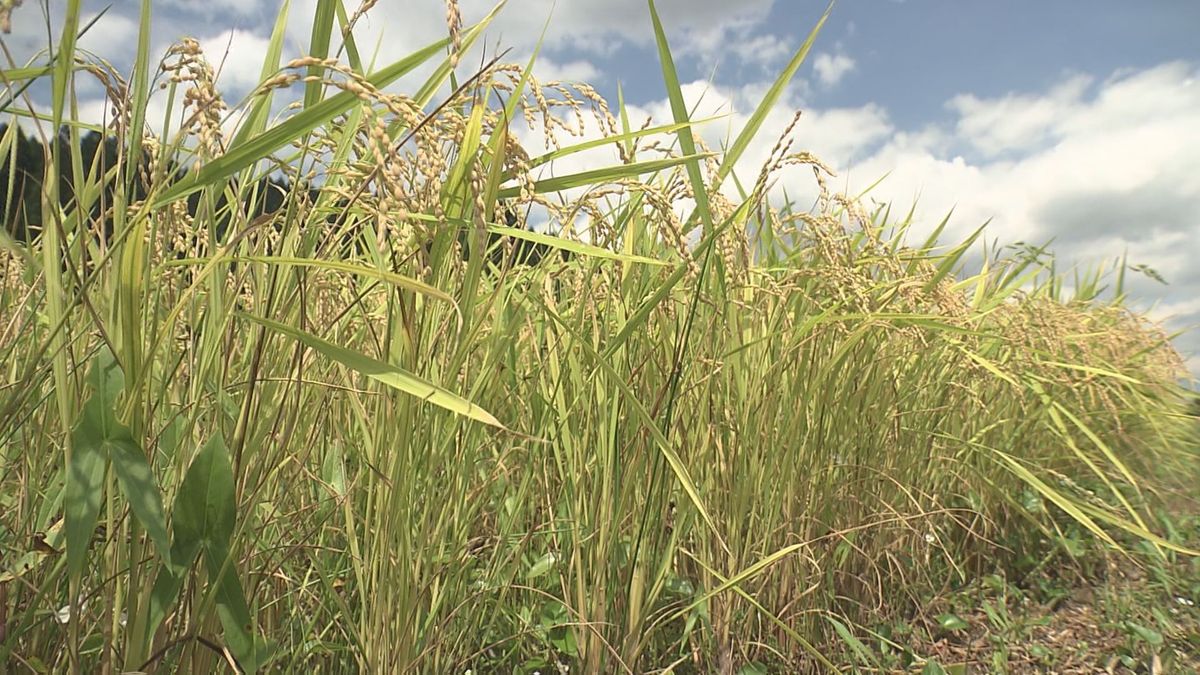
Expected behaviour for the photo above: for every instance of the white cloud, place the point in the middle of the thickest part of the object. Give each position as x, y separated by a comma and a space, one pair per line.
1017, 122
225, 9
831, 68
703, 21
1107, 175
764, 50
695, 27
238, 56
111, 29
578, 70
1133, 149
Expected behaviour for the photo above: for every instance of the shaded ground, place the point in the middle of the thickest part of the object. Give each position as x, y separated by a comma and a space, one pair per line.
1088, 612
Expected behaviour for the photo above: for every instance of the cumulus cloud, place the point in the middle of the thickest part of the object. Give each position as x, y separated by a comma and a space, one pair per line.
577, 70
224, 9
1113, 165
237, 56
1104, 170
763, 49
1017, 122
697, 28
702, 22
109, 30
831, 68
574, 24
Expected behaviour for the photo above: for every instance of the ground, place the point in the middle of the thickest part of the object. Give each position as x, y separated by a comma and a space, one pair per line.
1090, 611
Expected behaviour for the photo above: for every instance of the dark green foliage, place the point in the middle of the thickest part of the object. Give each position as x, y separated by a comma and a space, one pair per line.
21, 208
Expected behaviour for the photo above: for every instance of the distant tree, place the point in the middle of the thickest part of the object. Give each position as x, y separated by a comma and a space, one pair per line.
22, 173
20, 184
24, 169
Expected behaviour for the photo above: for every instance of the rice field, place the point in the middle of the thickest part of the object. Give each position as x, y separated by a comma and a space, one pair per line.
362, 430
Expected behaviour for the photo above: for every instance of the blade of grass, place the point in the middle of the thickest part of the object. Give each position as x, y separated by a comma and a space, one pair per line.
679, 109
392, 376
604, 175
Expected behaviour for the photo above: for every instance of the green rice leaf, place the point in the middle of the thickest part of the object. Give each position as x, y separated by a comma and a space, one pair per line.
679, 109
397, 280
318, 47
256, 121
605, 175
576, 247
392, 376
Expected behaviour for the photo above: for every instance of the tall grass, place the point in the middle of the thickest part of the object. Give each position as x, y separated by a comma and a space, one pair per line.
338, 437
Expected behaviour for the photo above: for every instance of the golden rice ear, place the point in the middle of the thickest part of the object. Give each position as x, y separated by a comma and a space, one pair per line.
454, 25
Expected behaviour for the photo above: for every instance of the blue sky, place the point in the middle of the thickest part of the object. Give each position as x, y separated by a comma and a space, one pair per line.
913, 56
1077, 120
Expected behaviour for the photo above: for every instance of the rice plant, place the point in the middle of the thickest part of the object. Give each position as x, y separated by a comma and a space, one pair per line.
347, 433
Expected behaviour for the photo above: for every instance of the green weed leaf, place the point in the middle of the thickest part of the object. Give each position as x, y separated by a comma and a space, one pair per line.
543, 565
98, 438
205, 508
951, 622
136, 480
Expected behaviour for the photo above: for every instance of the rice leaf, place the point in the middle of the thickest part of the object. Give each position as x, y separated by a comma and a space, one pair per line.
605, 175
392, 376
679, 109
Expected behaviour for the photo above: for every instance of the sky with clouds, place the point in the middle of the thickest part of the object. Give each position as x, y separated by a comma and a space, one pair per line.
1076, 120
